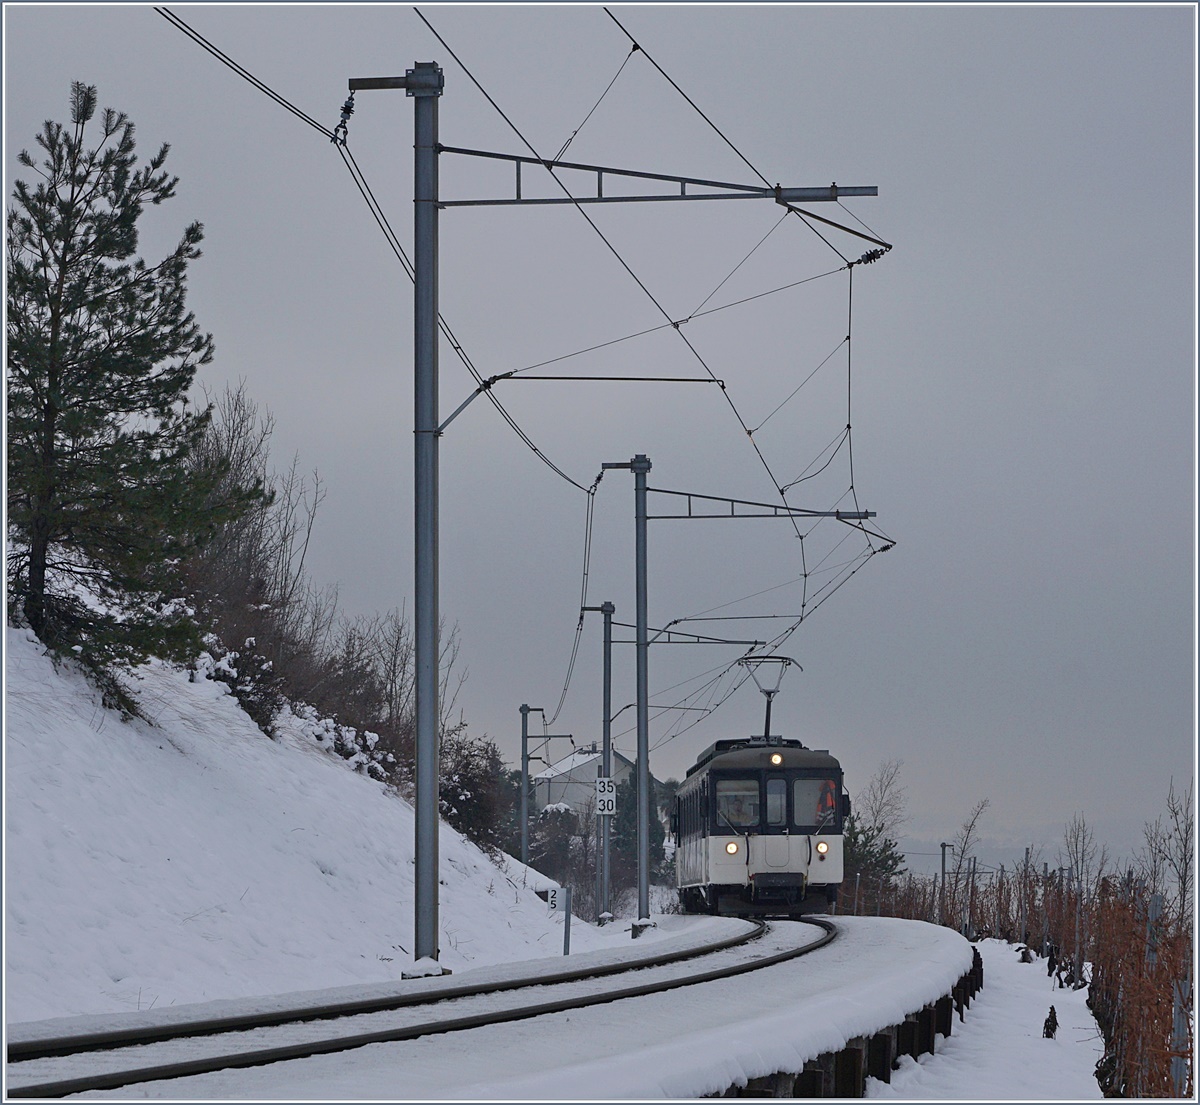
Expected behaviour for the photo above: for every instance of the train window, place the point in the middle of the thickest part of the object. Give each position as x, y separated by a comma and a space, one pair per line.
776, 801
737, 803
814, 802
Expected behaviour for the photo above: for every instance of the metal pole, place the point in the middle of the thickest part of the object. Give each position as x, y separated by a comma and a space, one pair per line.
607, 609
525, 784
1180, 992
1079, 911
942, 899
425, 86
641, 466
567, 921
1045, 914
1025, 900
971, 902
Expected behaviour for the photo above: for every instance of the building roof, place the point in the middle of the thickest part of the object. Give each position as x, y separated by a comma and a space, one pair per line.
581, 757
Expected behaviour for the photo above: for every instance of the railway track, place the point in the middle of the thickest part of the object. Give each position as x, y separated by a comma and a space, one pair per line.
56, 1067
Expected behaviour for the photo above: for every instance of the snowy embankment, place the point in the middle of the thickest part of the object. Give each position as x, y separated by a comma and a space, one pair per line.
196, 859
703, 1039
1000, 1053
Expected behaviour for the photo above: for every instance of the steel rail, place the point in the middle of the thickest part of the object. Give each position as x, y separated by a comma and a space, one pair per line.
50, 1047
185, 1068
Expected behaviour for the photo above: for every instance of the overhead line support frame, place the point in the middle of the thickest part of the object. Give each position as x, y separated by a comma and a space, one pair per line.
785, 196
425, 83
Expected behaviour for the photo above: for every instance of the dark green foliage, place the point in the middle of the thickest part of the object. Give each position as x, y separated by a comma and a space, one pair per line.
102, 505
871, 854
251, 678
508, 827
473, 799
553, 843
623, 854
665, 791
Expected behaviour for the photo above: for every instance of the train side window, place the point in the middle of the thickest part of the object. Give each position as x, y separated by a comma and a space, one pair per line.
776, 801
737, 803
814, 802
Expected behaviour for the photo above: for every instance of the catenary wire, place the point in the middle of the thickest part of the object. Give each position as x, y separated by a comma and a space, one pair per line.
587, 561
849, 265
735, 268
678, 322
633, 50
791, 209
245, 74
394, 243
379, 216
612, 249
835, 444
802, 215
681, 92
844, 341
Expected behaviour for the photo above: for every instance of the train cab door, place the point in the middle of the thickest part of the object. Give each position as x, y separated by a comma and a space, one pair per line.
775, 840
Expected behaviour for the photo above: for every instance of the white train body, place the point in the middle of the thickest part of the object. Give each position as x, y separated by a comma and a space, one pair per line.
758, 826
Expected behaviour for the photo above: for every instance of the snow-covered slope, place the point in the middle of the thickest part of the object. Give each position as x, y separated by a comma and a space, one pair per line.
194, 858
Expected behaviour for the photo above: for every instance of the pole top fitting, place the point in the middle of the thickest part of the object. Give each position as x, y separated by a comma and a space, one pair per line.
361, 84
640, 463
424, 79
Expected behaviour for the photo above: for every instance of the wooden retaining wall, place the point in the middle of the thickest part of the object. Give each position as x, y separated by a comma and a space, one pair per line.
844, 1073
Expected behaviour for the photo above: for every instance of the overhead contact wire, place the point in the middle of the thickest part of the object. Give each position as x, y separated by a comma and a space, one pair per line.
583, 589
805, 608
678, 322
245, 74
739, 265
802, 215
723, 136
377, 213
633, 50
613, 250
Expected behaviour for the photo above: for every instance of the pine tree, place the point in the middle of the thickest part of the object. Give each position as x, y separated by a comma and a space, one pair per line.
102, 507
624, 842
871, 854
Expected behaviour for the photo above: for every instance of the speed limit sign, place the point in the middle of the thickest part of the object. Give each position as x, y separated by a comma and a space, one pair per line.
606, 797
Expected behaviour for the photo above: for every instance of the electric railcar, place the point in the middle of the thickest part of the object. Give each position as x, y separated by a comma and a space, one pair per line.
758, 829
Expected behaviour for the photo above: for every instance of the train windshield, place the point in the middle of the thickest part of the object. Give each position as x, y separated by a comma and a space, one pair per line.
814, 803
776, 801
737, 803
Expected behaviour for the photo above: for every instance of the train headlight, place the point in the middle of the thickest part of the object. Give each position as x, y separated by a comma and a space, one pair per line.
776, 759
822, 847
731, 848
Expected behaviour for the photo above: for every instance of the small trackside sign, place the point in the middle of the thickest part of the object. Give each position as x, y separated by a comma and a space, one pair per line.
606, 797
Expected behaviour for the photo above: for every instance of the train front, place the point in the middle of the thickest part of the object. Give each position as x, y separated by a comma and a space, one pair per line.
760, 830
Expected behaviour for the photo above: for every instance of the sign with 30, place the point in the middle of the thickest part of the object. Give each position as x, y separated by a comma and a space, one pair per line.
606, 797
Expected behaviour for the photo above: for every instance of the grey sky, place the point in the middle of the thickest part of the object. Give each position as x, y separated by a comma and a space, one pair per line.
1023, 400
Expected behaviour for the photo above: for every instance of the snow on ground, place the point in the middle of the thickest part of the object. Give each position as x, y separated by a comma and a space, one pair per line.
195, 860
682, 1044
999, 1050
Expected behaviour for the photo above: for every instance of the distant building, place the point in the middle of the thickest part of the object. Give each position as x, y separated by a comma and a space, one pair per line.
573, 780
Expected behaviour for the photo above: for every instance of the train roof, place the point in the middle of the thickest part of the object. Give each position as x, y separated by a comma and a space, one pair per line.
751, 750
